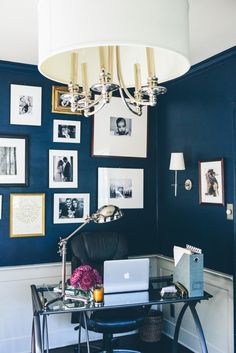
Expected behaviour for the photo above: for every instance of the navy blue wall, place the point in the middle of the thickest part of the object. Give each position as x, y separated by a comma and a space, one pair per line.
138, 224
196, 117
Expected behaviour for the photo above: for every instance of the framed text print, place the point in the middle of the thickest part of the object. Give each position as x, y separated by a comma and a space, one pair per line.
27, 215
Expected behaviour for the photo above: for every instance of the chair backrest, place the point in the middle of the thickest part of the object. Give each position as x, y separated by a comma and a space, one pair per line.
93, 248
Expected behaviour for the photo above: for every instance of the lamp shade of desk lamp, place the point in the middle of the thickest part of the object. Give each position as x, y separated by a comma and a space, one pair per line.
104, 214
176, 163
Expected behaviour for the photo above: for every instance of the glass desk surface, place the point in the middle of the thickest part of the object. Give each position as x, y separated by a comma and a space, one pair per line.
46, 301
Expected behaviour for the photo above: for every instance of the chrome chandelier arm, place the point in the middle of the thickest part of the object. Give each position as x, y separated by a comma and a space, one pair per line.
136, 112
88, 114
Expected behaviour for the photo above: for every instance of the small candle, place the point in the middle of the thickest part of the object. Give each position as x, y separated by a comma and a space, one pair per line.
150, 62
84, 77
98, 294
137, 77
74, 68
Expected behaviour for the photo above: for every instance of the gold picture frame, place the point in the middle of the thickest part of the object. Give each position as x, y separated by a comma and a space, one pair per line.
57, 106
27, 215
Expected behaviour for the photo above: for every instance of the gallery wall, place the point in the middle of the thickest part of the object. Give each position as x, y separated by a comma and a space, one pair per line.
196, 117
139, 225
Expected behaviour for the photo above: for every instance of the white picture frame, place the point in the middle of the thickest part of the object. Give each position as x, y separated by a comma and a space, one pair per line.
26, 105
27, 215
211, 182
121, 187
71, 208
0, 206
66, 131
63, 169
109, 140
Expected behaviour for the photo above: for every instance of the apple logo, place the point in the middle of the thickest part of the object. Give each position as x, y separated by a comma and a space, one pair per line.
126, 275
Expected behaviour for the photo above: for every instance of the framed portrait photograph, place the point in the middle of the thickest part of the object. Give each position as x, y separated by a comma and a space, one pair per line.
66, 131
27, 215
0, 206
119, 133
122, 187
71, 208
26, 104
59, 103
211, 182
63, 169
13, 160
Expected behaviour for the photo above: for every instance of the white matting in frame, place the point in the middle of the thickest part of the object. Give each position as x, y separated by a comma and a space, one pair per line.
71, 208
118, 132
122, 187
27, 215
26, 105
67, 131
63, 169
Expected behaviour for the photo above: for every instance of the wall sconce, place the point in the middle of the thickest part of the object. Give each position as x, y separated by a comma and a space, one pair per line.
176, 163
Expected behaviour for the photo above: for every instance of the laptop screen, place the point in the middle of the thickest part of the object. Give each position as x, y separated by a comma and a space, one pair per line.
126, 275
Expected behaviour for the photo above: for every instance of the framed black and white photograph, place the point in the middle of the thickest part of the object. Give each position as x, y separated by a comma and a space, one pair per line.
118, 132
66, 131
63, 169
61, 104
27, 215
25, 105
211, 181
13, 160
0, 206
122, 187
71, 208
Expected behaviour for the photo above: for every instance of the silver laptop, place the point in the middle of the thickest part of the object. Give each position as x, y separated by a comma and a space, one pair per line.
126, 275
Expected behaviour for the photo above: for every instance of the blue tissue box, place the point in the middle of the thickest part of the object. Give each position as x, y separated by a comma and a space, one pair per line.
189, 272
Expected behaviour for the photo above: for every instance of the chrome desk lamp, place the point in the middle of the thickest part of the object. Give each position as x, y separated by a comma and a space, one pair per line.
104, 214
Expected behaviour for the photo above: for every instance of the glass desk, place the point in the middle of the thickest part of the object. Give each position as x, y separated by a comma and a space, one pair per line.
46, 302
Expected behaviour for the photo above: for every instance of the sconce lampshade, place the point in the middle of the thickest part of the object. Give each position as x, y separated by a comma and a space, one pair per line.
177, 161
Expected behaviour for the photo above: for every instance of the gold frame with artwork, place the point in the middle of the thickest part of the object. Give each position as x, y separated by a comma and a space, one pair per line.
27, 215
56, 106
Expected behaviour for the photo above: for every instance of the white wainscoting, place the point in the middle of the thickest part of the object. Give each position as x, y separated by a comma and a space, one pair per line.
16, 308
216, 315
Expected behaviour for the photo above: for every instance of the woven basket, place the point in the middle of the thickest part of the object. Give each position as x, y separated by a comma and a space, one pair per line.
150, 331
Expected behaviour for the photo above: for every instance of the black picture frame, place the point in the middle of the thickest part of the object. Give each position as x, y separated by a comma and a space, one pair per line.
14, 160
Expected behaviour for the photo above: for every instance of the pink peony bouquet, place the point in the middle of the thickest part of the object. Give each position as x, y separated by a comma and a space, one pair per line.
85, 277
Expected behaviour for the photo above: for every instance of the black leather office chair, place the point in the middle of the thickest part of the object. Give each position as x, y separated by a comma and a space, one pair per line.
93, 248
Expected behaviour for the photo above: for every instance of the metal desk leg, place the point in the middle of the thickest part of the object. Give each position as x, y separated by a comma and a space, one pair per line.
45, 333
177, 328
86, 329
198, 325
36, 340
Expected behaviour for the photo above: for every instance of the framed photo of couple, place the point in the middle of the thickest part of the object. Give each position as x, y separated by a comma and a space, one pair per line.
70, 208
211, 182
63, 169
117, 132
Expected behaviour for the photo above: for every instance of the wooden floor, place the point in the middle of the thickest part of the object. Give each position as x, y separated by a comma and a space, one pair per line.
129, 342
